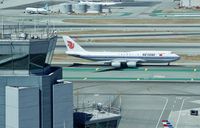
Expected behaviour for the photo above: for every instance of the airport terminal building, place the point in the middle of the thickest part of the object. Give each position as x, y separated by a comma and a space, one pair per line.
32, 93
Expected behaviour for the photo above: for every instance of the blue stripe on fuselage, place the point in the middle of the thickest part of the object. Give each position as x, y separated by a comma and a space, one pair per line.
146, 59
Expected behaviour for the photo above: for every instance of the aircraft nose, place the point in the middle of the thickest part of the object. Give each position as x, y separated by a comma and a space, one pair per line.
177, 57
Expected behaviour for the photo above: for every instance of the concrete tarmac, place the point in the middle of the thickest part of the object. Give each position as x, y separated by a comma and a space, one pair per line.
146, 104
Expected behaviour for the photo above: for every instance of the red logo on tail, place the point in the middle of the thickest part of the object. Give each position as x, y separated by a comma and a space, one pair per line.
70, 44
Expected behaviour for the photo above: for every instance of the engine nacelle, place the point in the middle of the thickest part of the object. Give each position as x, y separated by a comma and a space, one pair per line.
116, 64
131, 64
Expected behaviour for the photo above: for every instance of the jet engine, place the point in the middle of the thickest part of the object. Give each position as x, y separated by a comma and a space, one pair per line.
131, 64
116, 64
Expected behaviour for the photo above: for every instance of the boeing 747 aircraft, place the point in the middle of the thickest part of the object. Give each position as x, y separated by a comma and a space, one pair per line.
116, 59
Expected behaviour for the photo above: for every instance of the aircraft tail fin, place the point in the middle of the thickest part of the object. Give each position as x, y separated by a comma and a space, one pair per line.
71, 45
46, 6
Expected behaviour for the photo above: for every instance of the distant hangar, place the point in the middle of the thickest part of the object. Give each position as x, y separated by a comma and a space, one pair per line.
190, 3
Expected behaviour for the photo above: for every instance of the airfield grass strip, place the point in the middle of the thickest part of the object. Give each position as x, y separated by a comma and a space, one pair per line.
132, 69
129, 79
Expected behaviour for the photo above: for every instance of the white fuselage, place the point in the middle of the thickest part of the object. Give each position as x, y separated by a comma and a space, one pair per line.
36, 10
136, 56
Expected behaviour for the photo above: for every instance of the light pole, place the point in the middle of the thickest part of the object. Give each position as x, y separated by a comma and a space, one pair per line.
2, 27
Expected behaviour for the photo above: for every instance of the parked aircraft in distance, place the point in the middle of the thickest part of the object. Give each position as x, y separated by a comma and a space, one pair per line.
43, 10
116, 59
98, 2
